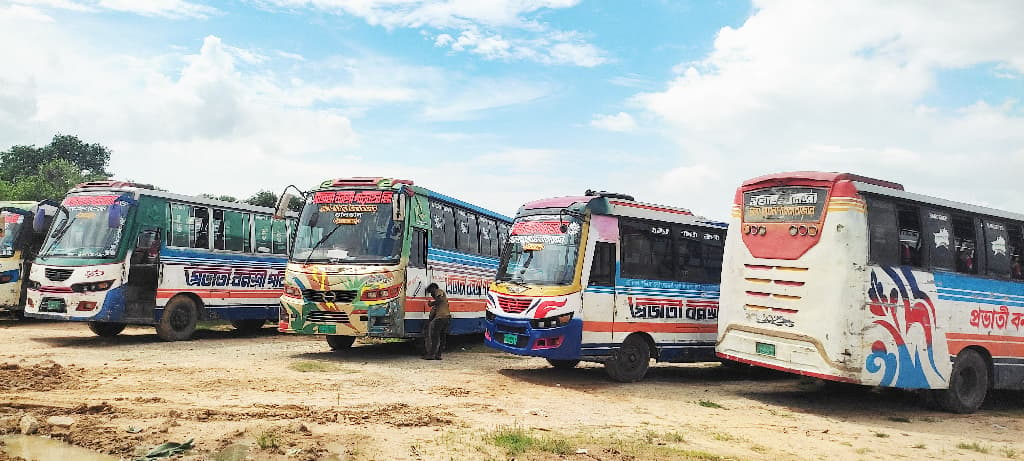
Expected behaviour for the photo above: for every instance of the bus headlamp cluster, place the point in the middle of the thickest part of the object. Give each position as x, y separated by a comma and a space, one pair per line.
552, 322
91, 286
803, 230
293, 291
383, 293
754, 230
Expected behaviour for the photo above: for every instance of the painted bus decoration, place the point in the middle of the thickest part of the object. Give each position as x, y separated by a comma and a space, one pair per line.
853, 279
604, 278
19, 243
366, 249
120, 253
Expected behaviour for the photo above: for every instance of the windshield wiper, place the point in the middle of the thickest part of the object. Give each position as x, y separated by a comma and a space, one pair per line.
322, 240
57, 236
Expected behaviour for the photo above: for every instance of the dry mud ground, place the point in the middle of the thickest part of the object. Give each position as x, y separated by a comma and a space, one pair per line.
272, 396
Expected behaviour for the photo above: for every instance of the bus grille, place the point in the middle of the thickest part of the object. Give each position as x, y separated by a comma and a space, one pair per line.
58, 275
327, 317
334, 296
514, 305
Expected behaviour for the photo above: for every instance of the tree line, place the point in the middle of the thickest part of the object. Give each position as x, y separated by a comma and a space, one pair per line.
33, 173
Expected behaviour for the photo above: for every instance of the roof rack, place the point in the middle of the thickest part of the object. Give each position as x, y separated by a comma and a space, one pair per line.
606, 194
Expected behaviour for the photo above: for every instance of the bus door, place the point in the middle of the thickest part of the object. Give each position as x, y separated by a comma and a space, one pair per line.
417, 277
600, 295
143, 276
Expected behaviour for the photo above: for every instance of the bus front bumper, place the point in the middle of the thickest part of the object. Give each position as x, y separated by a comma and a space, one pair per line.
297, 316
517, 336
100, 306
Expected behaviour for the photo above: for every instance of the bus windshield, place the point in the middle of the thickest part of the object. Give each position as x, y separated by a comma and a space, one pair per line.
541, 250
12, 223
87, 230
349, 227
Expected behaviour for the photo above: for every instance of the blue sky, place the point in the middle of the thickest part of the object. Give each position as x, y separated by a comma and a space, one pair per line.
504, 101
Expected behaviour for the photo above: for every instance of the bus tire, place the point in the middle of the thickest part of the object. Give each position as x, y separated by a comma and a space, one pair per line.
339, 342
629, 361
563, 364
968, 384
179, 320
248, 325
106, 329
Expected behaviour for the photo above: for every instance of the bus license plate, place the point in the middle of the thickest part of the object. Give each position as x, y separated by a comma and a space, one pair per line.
53, 306
510, 339
765, 349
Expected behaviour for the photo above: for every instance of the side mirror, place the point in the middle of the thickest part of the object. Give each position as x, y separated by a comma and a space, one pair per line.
281, 210
39, 222
398, 207
114, 216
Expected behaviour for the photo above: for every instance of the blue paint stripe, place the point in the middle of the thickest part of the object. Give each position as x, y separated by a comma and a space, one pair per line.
633, 291
464, 259
172, 253
979, 294
990, 301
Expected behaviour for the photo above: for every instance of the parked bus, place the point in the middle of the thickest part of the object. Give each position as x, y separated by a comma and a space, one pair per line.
853, 279
18, 245
604, 278
121, 253
367, 248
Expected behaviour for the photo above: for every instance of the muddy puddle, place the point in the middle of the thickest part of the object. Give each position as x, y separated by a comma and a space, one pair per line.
35, 448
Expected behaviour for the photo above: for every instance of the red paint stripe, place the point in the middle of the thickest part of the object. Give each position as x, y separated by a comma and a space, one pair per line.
420, 305
648, 327
842, 379
997, 345
648, 207
758, 293
230, 294
789, 283
757, 267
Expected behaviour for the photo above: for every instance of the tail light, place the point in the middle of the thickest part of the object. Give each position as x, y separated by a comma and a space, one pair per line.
85, 306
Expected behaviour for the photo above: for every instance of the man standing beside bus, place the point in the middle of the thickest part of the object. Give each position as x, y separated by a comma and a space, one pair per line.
437, 324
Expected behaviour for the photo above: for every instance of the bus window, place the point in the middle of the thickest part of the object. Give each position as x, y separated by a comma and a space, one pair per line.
418, 248
688, 261
997, 260
908, 220
488, 237
199, 227
502, 237
278, 236
714, 249
938, 232
178, 235
882, 227
1014, 248
263, 233
646, 251
467, 238
602, 268
230, 230
964, 244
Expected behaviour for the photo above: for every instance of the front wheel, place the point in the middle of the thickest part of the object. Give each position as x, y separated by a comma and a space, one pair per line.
179, 320
563, 364
968, 384
106, 329
630, 360
338, 342
248, 325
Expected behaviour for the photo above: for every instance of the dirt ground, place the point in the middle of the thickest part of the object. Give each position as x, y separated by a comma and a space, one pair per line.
272, 396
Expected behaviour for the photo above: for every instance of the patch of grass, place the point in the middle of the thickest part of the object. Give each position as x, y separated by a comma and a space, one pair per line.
973, 446
309, 366
723, 437
1009, 452
881, 435
899, 419
514, 439
919, 446
556, 446
213, 325
709, 404
759, 448
862, 451
848, 444
675, 437
781, 414
268, 439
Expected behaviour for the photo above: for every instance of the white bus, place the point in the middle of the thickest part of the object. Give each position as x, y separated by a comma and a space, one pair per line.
121, 253
604, 278
853, 279
19, 243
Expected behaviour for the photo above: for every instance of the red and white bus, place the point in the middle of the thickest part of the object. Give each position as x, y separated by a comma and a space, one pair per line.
853, 279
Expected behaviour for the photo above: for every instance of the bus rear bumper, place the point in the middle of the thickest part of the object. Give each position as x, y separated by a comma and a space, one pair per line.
518, 337
792, 353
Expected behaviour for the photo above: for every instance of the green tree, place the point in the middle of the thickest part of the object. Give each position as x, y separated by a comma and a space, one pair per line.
269, 199
36, 173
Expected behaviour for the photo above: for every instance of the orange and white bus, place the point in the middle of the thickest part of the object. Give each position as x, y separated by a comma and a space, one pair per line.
853, 279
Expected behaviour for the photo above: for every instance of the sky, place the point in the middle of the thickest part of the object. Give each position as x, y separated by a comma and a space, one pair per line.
501, 102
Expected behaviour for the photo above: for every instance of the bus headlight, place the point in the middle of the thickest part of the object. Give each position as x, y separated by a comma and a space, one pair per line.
92, 286
552, 322
382, 293
293, 291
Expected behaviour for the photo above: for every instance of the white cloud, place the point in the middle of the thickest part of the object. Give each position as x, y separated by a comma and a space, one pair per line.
620, 122
843, 86
471, 99
162, 8
493, 29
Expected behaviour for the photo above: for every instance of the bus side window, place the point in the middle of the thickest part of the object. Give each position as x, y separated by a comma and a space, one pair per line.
488, 237
937, 239
714, 250
646, 251
997, 261
199, 227
883, 232
262, 233
502, 238
1014, 249
418, 248
964, 244
602, 268
908, 220
179, 231
279, 236
466, 239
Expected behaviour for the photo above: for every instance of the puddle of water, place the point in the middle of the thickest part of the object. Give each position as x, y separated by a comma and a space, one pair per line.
35, 448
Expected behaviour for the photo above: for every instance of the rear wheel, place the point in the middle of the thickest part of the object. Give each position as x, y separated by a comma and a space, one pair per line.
248, 325
338, 342
630, 360
563, 364
106, 329
179, 320
968, 384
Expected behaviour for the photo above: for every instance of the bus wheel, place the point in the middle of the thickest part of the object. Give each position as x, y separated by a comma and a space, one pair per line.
179, 320
968, 384
248, 325
630, 360
563, 364
106, 329
338, 342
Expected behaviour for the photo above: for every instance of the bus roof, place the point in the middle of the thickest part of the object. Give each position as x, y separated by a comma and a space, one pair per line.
821, 176
558, 202
927, 199
615, 205
145, 189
